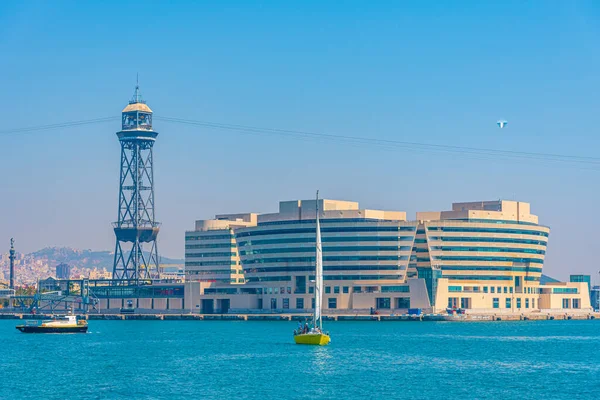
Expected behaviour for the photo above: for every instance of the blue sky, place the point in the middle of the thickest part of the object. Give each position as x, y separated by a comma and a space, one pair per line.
429, 72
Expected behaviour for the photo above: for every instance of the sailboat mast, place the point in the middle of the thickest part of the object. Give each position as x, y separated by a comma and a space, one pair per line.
318, 268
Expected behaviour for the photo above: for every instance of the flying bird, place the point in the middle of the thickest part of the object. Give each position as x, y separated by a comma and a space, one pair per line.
502, 123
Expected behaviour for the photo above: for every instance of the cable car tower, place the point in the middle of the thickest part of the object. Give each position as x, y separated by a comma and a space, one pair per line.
136, 225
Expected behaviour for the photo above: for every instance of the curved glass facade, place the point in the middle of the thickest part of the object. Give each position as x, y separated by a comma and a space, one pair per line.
354, 249
478, 251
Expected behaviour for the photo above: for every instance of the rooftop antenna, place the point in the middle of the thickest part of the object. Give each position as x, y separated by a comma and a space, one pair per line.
137, 97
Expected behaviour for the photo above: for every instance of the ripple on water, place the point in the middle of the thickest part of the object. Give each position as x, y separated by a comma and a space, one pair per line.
515, 338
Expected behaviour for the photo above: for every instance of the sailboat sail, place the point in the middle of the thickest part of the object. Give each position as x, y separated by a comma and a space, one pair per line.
318, 271
316, 335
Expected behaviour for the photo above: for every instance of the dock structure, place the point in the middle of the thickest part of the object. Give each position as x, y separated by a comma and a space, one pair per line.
341, 317
75, 295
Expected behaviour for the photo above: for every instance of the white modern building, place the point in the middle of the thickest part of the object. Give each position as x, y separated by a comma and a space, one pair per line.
479, 257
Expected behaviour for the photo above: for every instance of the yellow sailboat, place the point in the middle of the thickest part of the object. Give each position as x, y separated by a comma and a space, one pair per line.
315, 335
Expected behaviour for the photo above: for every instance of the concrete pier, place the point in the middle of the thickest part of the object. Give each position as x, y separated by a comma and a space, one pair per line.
336, 317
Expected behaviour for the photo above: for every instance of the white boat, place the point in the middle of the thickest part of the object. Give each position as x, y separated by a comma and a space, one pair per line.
65, 324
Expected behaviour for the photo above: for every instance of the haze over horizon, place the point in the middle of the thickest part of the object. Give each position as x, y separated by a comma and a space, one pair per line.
419, 72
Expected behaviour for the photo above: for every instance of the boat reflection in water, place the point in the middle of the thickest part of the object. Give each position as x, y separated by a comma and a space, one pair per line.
66, 324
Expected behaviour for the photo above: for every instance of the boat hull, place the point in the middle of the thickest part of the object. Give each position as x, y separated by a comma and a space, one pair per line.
52, 329
317, 339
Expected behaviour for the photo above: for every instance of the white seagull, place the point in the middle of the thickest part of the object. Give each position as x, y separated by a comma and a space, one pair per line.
502, 123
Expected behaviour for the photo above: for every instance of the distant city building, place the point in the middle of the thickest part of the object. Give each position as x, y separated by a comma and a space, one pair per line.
172, 273
63, 271
595, 297
49, 285
479, 256
100, 274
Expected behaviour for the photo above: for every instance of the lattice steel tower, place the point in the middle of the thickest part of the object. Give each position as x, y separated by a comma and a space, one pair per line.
136, 225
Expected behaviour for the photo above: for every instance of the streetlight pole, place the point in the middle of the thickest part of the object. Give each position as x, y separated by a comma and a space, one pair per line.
598, 293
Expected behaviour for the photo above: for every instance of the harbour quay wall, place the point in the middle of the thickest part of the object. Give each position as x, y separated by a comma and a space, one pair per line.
303, 317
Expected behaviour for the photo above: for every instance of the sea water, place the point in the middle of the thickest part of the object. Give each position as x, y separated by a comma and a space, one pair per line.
259, 360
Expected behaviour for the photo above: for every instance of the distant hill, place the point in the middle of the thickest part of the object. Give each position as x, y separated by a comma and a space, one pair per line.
86, 258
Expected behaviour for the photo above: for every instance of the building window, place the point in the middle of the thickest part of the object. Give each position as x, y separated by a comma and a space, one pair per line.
508, 302
505, 289
336, 289
496, 302
465, 302
382, 302
300, 303
286, 303
566, 303
492, 289
402, 302
311, 289
575, 303
388, 289
518, 302
312, 303
564, 290
300, 284
327, 289
332, 302
485, 289
532, 303
499, 289
345, 289
526, 303
452, 302
357, 289
511, 289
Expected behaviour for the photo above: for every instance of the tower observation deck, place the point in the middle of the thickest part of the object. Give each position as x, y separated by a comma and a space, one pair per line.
136, 225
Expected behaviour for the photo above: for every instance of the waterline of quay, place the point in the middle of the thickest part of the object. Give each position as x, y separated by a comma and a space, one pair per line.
549, 316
